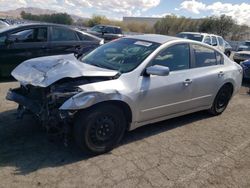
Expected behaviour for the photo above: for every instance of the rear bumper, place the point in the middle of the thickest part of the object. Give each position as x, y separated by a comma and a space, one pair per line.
14, 95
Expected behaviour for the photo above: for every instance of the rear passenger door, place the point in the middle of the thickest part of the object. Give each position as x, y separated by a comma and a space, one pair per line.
63, 41
207, 75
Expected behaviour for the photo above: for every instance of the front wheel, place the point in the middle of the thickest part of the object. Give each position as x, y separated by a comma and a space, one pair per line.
221, 100
99, 129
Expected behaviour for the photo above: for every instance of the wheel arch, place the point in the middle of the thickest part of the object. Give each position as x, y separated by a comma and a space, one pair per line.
118, 103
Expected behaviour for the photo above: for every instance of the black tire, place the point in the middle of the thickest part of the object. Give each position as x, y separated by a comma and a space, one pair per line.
221, 100
99, 129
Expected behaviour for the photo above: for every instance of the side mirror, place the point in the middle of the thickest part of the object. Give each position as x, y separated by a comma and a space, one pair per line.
158, 70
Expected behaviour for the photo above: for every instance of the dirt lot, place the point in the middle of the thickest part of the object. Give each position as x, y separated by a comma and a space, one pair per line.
191, 151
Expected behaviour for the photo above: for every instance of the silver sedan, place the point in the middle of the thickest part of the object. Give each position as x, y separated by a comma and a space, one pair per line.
123, 85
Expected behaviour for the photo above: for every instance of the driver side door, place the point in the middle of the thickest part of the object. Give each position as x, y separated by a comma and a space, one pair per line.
162, 96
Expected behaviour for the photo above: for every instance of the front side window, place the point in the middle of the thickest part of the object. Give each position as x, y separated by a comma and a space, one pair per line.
204, 56
214, 41
30, 35
123, 55
207, 40
176, 57
63, 34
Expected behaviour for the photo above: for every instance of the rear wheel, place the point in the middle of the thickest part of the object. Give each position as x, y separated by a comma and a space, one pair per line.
221, 100
99, 129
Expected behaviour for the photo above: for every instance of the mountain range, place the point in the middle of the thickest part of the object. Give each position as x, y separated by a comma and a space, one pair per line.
32, 10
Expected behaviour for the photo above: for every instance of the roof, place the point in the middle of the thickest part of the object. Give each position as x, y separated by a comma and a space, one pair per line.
154, 38
108, 26
199, 33
11, 27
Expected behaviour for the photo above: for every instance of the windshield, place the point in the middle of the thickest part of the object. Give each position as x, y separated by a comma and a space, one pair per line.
122, 55
196, 37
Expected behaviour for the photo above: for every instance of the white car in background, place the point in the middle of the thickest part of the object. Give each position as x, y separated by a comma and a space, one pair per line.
211, 39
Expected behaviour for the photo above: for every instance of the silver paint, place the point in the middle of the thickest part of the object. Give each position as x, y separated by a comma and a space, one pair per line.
150, 98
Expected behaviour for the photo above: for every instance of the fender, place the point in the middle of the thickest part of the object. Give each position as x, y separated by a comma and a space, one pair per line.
84, 100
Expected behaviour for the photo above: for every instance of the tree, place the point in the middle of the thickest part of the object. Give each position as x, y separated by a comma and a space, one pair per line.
59, 18
222, 25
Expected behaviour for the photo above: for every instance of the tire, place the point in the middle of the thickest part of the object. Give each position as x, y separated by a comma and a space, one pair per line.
221, 100
99, 129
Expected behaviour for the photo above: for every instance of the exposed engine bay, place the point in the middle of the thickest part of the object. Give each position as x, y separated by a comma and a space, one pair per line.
44, 102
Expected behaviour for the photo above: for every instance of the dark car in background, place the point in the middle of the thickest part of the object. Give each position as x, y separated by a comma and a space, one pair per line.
21, 42
246, 69
245, 46
107, 32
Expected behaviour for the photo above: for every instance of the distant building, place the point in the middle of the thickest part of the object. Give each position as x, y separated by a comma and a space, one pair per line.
141, 20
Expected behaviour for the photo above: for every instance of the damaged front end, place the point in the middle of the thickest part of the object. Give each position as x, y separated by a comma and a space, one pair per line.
44, 102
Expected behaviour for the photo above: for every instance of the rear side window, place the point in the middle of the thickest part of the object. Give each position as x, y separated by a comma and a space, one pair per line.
117, 31
219, 58
204, 56
30, 35
109, 30
63, 34
221, 42
176, 57
84, 37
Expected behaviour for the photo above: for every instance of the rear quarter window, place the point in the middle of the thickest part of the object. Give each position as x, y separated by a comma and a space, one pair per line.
221, 41
219, 58
204, 56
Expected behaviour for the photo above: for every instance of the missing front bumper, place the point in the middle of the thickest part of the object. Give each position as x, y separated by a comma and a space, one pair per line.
16, 96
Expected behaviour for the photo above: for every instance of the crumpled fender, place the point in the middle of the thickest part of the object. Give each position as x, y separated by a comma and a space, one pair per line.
86, 99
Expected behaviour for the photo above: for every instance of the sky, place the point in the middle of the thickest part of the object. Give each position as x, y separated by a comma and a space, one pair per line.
116, 9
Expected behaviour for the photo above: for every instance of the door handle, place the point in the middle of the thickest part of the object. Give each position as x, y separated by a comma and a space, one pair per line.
187, 82
221, 73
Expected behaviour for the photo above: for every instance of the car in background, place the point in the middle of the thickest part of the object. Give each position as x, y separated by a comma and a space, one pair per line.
228, 49
210, 39
245, 46
21, 42
107, 32
125, 84
3, 24
246, 69
242, 55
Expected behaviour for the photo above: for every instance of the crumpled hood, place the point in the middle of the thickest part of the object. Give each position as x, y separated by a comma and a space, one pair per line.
44, 71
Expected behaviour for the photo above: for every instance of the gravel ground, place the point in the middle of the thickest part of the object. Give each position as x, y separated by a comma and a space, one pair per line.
196, 150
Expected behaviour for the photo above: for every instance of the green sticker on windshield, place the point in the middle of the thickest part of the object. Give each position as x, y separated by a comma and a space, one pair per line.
143, 43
